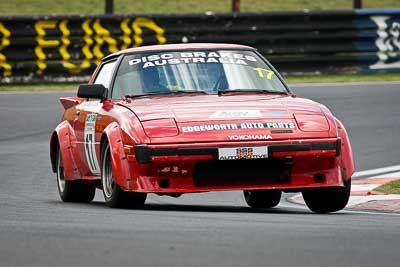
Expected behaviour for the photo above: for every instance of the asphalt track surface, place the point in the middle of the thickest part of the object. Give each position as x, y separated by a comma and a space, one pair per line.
211, 229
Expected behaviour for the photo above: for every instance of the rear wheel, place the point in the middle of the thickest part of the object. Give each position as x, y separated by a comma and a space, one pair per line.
114, 196
72, 191
262, 198
324, 200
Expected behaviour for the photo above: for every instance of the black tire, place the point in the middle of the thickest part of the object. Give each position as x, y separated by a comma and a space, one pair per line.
262, 198
72, 191
324, 200
114, 196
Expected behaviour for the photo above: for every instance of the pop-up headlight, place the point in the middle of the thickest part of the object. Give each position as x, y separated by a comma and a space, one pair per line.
312, 123
160, 128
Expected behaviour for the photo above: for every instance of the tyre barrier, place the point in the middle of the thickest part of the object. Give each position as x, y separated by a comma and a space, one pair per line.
67, 48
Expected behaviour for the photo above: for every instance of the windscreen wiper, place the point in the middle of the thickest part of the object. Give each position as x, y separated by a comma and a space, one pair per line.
148, 94
262, 91
178, 92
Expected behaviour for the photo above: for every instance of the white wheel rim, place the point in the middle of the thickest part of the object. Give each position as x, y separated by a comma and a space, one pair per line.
60, 173
107, 176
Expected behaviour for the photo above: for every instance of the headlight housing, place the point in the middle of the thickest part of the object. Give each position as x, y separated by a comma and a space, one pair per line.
312, 123
160, 128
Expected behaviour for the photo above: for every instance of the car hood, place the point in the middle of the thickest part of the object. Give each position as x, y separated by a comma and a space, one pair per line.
212, 107
229, 117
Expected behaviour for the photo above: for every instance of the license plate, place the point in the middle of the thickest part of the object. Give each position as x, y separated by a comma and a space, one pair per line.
234, 153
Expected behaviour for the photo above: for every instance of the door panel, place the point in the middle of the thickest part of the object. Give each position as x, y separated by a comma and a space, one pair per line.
88, 125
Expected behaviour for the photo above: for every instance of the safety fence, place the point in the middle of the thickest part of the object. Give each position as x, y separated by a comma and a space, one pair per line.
67, 48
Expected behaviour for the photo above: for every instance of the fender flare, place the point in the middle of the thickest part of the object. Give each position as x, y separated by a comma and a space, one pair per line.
346, 157
120, 165
61, 138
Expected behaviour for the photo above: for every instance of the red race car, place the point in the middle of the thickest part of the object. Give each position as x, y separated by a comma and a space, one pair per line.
187, 118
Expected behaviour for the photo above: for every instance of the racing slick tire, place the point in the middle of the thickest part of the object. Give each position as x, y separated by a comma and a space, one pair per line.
262, 198
324, 200
114, 196
72, 191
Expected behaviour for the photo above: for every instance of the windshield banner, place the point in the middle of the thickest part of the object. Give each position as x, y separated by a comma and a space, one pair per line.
222, 57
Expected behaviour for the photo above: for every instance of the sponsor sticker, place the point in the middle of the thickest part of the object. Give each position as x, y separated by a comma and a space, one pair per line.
173, 169
235, 153
192, 57
90, 149
250, 137
225, 114
276, 113
237, 126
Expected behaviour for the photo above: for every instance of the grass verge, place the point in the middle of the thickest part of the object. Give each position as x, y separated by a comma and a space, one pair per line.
46, 7
351, 77
38, 87
390, 188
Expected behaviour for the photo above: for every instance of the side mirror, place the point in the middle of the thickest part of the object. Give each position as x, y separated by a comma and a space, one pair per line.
96, 91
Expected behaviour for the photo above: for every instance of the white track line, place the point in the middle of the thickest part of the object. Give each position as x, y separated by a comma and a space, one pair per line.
363, 187
355, 200
389, 175
378, 171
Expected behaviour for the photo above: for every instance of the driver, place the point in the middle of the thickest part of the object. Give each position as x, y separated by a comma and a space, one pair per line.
151, 81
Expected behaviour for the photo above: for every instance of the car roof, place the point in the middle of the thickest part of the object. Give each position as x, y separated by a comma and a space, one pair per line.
178, 47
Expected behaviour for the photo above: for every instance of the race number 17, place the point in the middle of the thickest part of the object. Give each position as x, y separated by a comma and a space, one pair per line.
261, 72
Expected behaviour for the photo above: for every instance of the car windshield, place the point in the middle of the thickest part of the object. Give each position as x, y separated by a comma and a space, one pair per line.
211, 72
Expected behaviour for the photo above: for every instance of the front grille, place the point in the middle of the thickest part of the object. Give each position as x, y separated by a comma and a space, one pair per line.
242, 172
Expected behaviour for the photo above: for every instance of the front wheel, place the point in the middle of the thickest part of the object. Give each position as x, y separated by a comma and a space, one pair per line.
324, 200
262, 198
72, 191
114, 196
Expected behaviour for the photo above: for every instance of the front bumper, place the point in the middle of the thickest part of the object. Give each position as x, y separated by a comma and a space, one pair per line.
144, 153
182, 168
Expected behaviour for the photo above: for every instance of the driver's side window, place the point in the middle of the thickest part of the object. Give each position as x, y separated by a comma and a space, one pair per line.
105, 74
126, 84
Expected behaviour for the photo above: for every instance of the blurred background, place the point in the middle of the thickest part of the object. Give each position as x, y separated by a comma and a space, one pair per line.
49, 45
44, 42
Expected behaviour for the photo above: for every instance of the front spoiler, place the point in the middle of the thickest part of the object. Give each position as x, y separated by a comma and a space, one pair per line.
171, 168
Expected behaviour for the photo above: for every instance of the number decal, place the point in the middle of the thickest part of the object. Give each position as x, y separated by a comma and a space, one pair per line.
90, 142
261, 71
